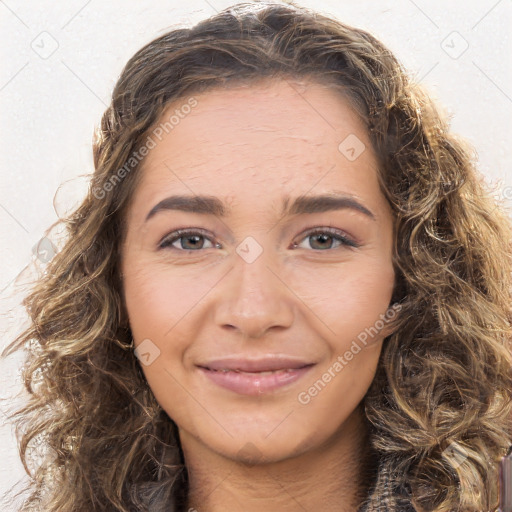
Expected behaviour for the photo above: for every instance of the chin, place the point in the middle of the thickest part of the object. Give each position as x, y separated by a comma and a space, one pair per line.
266, 439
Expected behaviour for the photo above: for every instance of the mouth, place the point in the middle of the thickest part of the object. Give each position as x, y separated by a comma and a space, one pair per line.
265, 372
246, 377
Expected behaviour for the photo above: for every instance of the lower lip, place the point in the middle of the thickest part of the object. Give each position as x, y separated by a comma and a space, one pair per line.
255, 383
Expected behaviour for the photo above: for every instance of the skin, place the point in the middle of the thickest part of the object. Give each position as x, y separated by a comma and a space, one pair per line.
250, 146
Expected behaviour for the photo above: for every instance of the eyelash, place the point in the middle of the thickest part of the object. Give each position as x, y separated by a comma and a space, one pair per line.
169, 239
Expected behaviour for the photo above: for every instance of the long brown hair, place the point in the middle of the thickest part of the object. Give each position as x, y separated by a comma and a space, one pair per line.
439, 407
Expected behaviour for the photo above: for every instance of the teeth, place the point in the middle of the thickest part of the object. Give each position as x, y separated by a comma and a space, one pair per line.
287, 370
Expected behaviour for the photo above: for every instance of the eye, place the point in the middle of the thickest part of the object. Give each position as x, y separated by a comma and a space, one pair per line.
325, 238
188, 240
192, 240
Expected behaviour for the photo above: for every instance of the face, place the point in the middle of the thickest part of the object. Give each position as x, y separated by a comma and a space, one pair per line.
257, 313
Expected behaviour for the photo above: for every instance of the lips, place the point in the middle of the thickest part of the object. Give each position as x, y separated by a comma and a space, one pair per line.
266, 372
254, 377
255, 365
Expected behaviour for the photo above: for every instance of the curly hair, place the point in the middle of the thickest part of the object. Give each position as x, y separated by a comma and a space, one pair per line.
439, 407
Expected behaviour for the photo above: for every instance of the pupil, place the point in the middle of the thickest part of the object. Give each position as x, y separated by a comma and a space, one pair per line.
194, 237
322, 238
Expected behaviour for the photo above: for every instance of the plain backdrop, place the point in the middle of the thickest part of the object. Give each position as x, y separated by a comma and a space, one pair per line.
60, 62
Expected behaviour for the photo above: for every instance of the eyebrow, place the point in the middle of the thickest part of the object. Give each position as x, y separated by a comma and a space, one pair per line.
210, 205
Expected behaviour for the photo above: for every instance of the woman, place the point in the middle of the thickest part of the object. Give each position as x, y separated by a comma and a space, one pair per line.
287, 288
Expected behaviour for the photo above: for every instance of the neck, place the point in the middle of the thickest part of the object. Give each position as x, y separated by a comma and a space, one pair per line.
333, 476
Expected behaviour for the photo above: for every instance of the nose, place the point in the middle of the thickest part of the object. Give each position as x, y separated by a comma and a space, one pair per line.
254, 298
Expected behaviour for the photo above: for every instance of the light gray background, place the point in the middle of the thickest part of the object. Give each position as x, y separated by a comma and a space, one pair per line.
60, 62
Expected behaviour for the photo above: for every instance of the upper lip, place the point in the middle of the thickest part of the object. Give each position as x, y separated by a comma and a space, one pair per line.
266, 364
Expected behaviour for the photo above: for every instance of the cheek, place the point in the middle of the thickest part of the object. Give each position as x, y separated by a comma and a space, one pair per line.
347, 299
157, 306
157, 298
144, 299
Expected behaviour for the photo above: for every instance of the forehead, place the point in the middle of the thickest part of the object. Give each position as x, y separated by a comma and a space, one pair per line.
276, 136
246, 116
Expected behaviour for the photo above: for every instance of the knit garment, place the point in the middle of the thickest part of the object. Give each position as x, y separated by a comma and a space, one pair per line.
387, 496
